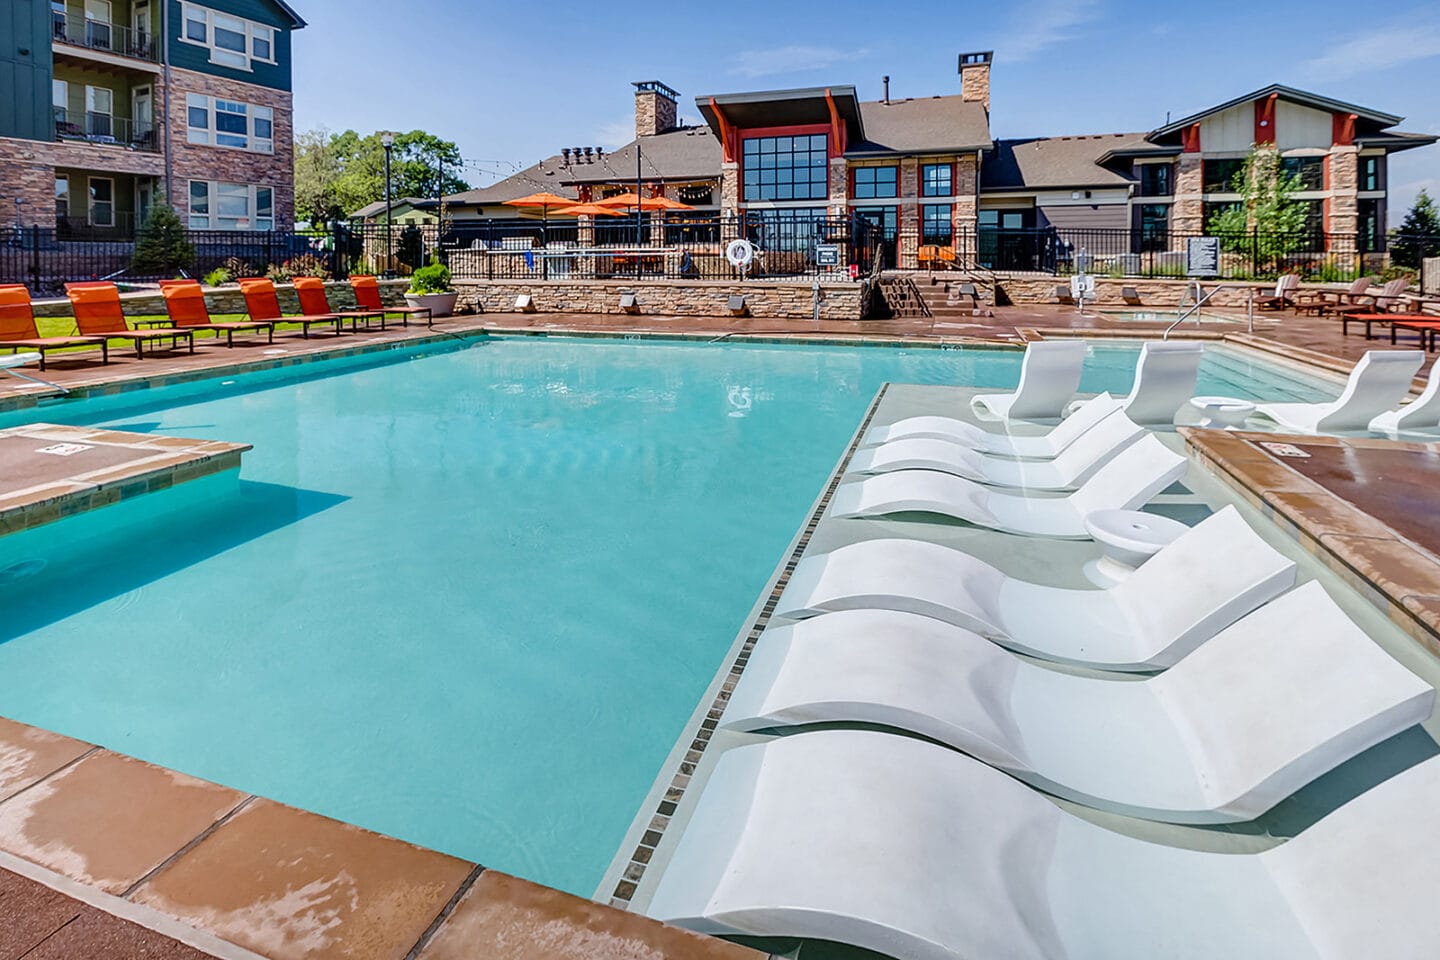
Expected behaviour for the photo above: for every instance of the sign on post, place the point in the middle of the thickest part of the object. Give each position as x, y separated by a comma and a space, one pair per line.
827, 254
1202, 257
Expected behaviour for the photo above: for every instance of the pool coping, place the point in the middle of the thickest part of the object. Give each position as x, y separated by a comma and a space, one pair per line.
155, 462
715, 699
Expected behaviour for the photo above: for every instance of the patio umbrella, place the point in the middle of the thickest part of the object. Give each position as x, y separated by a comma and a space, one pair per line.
630, 201
588, 210
543, 201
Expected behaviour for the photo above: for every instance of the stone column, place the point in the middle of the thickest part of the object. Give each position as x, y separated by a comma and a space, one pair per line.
1187, 213
966, 216
907, 247
839, 188
1344, 164
729, 200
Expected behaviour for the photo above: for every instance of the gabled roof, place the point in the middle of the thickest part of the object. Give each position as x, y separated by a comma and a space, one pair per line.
543, 176
1053, 163
296, 22
1285, 93
378, 207
685, 153
922, 125
784, 108
1396, 140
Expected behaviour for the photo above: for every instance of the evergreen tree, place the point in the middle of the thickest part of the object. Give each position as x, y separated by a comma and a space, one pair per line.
162, 249
1419, 234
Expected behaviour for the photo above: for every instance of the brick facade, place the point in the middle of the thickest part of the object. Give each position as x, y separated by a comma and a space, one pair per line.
204, 162
1187, 213
27, 172
1344, 211
654, 113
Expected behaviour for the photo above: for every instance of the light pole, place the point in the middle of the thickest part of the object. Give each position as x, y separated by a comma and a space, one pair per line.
387, 141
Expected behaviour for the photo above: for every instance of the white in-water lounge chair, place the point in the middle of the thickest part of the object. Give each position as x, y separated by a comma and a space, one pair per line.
1181, 746
1165, 377
1049, 377
1197, 586
1129, 480
1422, 413
1085, 417
1074, 466
916, 851
1379, 382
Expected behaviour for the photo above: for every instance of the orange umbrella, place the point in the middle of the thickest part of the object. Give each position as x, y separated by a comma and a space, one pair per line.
588, 210
629, 201
542, 200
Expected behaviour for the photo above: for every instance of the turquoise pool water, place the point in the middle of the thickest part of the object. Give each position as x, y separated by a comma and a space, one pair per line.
467, 596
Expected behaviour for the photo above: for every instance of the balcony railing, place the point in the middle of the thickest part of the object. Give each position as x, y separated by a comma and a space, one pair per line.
121, 225
108, 37
91, 127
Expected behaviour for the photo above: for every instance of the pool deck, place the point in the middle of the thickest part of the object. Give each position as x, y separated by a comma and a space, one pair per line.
49, 471
1365, 507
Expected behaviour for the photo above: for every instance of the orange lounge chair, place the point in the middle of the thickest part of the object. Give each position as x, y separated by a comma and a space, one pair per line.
98, 314
18, 330
262, 304
314, 303
367, 296
185, 303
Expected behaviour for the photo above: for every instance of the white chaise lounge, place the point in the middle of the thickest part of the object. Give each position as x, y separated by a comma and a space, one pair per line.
1181, 746
1422, 413
916, 851
1049, 377
1072, 467
1165, 377
1127, 481
1197, 586
1379, 382
1085, 417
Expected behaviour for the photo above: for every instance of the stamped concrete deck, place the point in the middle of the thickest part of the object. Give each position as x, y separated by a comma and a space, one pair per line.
48, 471
1365, 507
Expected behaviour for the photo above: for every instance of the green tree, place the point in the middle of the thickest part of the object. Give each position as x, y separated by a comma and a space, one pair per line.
1419, 234
338, 173
1268, 218
162, 247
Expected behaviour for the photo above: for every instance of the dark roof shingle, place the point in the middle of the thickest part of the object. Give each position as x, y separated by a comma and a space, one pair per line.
1056, 162
922, 125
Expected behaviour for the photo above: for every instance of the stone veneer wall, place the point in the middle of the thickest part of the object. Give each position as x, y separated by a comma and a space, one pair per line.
1158, 294
27, 172
1344, 177
228, 299
839, 301
190, 161
1187, 213
654, 113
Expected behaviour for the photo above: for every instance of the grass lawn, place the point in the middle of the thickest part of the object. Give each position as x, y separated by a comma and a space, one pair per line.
65, 327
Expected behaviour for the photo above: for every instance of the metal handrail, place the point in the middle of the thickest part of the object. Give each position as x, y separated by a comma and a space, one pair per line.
116, 38
1202, 298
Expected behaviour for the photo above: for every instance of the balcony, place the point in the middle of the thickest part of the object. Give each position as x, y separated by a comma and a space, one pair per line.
122, 227
102, 128
104, 40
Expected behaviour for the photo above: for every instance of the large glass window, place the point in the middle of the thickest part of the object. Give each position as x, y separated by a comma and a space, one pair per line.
1314, 221
1370, 231
102, 202
217, 205
1310, 171
1211, 210
936, 223
229, 123
872, 182
1220, 175
791, 229
97, 24
1155, 179
233, 41
1154, 226
786, 168
62, 196
1369, 173
884, 218
936, 180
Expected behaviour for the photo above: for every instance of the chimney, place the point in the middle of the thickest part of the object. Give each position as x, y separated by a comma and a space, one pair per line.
886, 80
655, 110
975, 77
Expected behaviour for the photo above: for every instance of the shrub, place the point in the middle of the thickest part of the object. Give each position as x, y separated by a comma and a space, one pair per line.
238, 268
162, 248
434, 278
277, 273
307, 265
217, 277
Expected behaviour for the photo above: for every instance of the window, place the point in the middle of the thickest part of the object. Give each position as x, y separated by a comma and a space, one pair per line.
1211, 210
1314, 222
62, 196
1370, 232
884, 218
58, 14
1369, 173
936, 224
215, 205
229, 123
786, 168
1155, 179
1220, 175
102, 202
99, 111
791, 230
60, 94
1003, 219
233, 41
97, 24
872, 182
936, 180
1154, 226
1309, 170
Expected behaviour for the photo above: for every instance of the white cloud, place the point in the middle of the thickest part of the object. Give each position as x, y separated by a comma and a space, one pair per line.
615, 133
792, 59
1382, 48
1041, 24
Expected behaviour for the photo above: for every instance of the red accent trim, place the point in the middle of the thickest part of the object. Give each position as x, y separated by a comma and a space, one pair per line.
1190, 139
837, 128
727, 133
1342, 126
747, 133
1265, 119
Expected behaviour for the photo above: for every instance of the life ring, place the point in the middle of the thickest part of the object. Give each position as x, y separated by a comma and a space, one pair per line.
740, 253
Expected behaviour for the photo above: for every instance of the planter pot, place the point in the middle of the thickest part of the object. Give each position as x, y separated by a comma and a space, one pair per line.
439, 304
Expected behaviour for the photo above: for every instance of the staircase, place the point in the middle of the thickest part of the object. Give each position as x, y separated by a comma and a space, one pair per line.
942, 299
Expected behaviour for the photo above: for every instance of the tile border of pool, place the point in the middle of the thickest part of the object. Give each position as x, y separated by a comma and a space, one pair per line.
634, 868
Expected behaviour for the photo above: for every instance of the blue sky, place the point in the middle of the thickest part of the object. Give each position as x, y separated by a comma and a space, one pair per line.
513, 82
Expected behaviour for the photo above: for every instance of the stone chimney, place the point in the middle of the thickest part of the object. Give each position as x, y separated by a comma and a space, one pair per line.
975, 77
655, 110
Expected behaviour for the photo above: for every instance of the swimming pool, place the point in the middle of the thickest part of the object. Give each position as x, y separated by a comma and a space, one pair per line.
464, 595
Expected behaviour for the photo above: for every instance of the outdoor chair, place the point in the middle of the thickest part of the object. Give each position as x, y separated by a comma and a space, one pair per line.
367, 296
98, 313
1283, 294
262, 303
1321, 302
18, 330
1378, 383
185, 303
1083, 418
310, 291
1064, 295
1049, 377
1390, 299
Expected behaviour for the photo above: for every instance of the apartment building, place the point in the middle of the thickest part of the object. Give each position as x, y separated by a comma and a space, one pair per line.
106, 105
